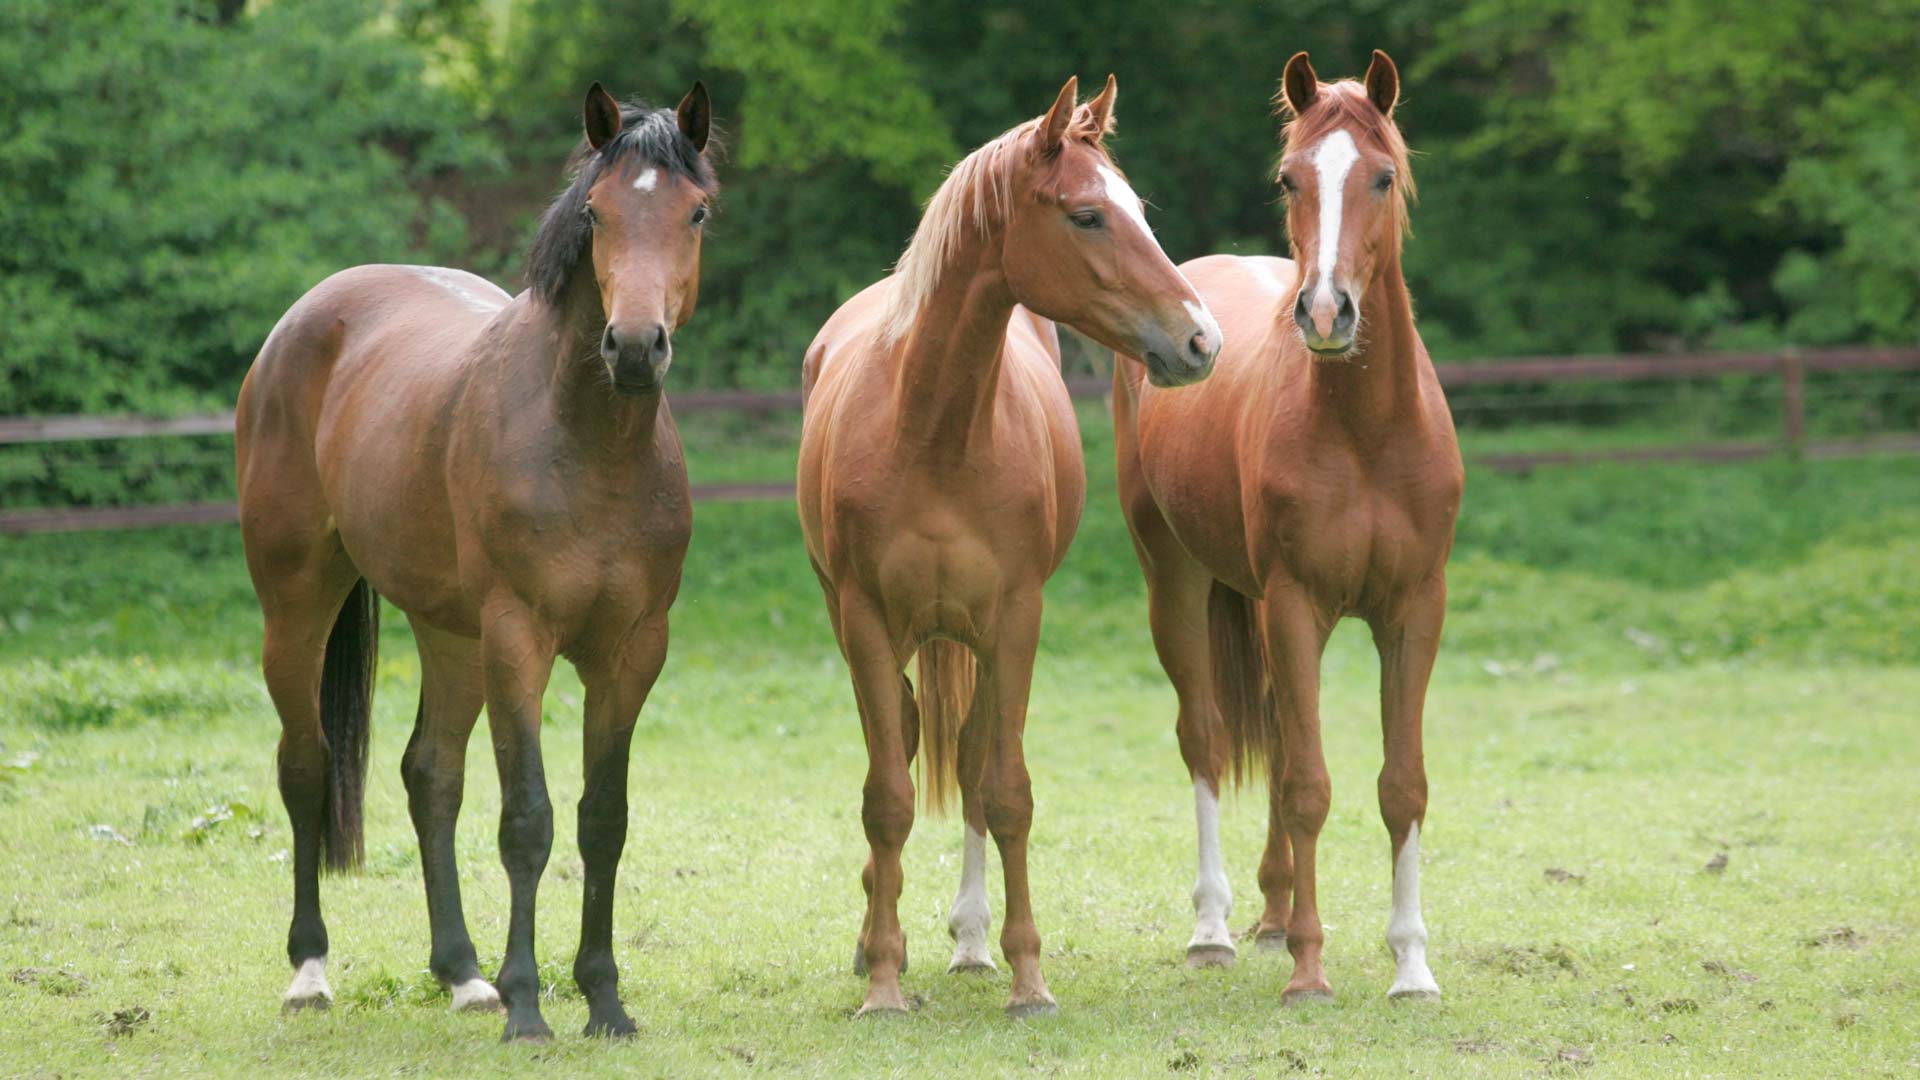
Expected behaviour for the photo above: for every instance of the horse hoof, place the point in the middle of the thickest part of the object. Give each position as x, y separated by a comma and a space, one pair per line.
316, 1002
882, 1008
1270, 941
1031, 1010
1208, 956
476, 995
1413, 994
531, 1031
615, 1027
1310, 996
972, 967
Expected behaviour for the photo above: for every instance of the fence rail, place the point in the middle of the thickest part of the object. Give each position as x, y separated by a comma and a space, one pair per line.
1790, 366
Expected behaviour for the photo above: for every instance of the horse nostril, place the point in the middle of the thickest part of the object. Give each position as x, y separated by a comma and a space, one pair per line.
609, 345
659, 347
1197, 345
1300, 313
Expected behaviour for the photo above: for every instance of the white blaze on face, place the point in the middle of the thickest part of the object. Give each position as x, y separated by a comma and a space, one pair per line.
1212, 895
1122, 196
1332, 160
1406, 931
971, 917
647, 180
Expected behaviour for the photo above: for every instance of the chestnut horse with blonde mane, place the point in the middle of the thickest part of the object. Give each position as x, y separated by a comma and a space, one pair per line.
941, 481
506, 472
1315, 476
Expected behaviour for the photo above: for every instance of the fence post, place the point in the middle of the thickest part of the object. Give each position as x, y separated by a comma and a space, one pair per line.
1793, 385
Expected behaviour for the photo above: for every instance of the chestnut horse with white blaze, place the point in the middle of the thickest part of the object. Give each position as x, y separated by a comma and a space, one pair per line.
507, 473
941, 481
1314, 476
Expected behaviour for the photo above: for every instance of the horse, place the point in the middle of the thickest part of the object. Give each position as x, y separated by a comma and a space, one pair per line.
941, 481
1315, 476
505, 471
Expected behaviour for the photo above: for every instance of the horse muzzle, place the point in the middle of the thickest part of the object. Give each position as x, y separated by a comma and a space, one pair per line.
1184, 360
637, 359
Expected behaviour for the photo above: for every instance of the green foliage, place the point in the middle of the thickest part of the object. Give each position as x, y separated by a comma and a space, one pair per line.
1597, 176
175, 182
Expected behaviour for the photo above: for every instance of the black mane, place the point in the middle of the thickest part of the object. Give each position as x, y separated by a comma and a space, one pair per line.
564, 235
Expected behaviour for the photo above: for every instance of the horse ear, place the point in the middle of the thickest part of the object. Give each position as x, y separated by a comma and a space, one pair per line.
1299, 84
1053, 127
602, 116
695, 115
1383, 82
1102, 107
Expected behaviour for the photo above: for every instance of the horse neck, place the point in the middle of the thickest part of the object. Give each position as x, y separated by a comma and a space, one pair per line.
1371, 391
585, 402
948, 373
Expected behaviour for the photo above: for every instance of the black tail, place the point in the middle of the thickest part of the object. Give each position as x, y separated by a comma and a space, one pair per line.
1240, 686
346, 705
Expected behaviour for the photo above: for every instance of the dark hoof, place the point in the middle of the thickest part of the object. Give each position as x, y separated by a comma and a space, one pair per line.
619, 1026
1206, 956
1306, 997
1032, 1010
534, 1030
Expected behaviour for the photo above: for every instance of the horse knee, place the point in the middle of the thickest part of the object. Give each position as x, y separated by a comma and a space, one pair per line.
1305, 799
887, 811
526, 834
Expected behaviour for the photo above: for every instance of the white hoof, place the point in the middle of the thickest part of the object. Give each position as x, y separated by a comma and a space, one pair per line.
1414, 982
476, 995
309, 988
970, 953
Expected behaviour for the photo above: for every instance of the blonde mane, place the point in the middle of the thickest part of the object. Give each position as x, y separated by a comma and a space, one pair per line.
978, 190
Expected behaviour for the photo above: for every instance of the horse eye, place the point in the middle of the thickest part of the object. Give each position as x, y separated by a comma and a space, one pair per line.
699, 215
1385, 182
1085, 219
1286, 184
591, 217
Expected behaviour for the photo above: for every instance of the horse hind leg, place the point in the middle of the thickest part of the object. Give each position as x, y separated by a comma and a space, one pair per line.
300, 617
1177, 606
452, 691
971, 917
1406, 662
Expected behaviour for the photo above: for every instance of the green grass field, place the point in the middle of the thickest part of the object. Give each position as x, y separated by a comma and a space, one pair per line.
1645, 669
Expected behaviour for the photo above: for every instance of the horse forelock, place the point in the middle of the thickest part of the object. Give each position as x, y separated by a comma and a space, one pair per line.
1344, 106
977, 190
647, 135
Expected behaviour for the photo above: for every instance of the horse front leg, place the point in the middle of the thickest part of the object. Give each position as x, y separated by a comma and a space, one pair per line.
517, 662
1007, 796
1407, 647
616, 691
1295, 636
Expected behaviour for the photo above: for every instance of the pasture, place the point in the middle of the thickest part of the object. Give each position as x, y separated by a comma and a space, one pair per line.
1673, 830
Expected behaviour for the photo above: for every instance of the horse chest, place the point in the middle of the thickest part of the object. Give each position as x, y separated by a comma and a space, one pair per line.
1355, 538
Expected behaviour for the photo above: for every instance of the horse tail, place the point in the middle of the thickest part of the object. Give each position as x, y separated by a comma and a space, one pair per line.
943, 698
1240, 686
346, 705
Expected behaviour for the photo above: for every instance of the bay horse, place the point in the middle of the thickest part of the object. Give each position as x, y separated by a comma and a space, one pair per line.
507, 473
1314, 476
941, 481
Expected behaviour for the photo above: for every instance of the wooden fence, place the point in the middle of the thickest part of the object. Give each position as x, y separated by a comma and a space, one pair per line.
1790, 366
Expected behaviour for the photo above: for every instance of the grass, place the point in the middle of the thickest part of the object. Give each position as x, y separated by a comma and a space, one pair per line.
1645, 669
